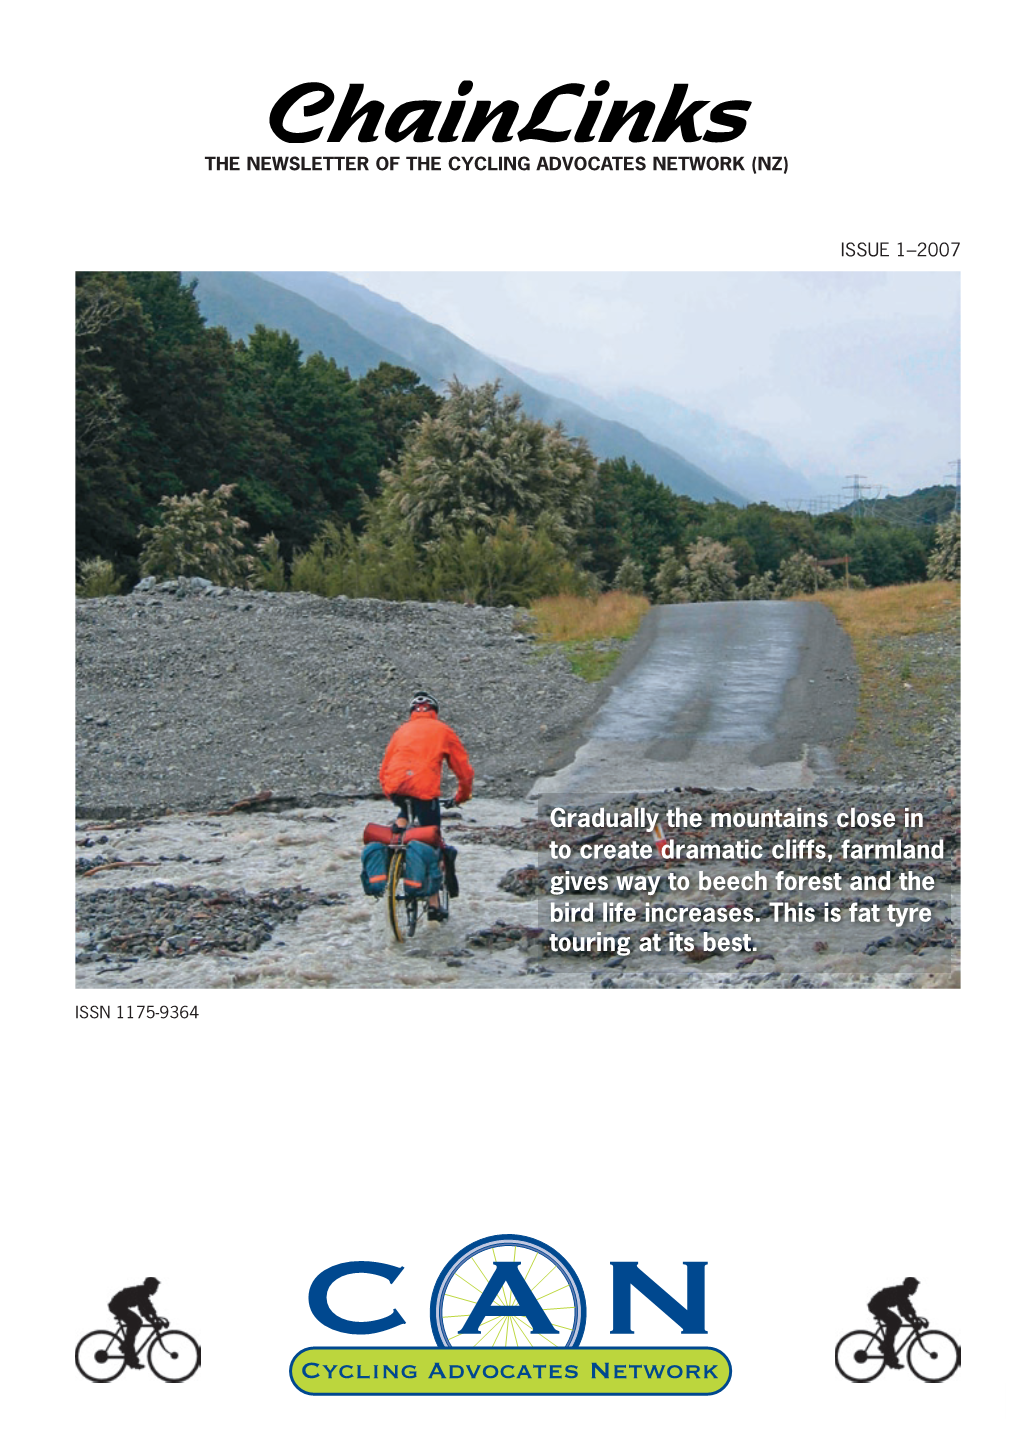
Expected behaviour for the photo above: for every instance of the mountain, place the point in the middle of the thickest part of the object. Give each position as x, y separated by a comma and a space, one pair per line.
437, 355
239, 301
742, 460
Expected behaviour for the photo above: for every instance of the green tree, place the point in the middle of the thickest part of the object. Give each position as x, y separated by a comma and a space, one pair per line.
109, 338
887, 555
481, 459
152, 383
312, 422
633, 514
198, 536
395, 400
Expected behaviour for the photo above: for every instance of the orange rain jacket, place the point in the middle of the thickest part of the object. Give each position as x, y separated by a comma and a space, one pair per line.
413, 763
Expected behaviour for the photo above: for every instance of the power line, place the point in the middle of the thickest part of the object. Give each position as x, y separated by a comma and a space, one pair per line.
860, 503
955, 477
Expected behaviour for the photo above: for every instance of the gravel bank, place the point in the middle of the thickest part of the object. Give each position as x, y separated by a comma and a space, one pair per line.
913, 737
192, 696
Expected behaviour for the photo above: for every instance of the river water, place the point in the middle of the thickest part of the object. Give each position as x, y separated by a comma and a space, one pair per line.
343, 945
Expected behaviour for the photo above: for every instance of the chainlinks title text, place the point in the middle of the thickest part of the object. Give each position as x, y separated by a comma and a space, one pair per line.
552, 119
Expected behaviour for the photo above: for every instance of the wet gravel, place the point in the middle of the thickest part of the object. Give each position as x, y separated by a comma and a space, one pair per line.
116, 928
194, 696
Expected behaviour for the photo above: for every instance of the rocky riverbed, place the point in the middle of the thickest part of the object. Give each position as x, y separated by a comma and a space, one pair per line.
192, 701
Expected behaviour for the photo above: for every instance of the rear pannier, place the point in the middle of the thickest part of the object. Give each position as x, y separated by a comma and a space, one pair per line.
421, 869
375, 865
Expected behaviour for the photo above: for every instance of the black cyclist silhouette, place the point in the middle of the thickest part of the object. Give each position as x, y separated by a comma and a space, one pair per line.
932, 1355
881, 1308
132, 1306
172, 1355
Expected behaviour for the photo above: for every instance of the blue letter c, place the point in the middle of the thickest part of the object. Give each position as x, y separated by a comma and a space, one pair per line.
322, 1312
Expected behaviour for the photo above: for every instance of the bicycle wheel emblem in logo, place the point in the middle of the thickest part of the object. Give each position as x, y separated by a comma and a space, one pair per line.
508, 1291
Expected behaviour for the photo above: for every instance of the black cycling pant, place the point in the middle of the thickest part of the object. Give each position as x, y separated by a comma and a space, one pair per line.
426, 813
892, 1326
420, 813
132, 1326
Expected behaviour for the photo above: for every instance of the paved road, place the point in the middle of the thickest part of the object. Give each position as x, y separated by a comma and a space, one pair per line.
724, 694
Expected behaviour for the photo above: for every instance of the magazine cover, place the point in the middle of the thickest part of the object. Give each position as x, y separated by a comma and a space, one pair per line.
517, 510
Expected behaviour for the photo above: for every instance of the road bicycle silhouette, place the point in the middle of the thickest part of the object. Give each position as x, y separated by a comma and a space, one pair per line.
932, 1356
173, 1356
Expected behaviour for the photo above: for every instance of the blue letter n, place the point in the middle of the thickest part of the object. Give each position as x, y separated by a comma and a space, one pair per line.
689, 1319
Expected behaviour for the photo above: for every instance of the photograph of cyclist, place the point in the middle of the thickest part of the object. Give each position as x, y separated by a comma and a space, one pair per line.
122, 1305
411, 774
880, 1308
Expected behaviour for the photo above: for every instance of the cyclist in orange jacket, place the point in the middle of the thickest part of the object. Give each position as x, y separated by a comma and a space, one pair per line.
411, 773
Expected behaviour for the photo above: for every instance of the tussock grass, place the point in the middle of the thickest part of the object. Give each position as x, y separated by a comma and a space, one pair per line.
894, 610
564, 619
591, 630
902, 691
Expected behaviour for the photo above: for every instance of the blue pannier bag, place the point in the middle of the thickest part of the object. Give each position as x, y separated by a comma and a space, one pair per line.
375, 865
421, 869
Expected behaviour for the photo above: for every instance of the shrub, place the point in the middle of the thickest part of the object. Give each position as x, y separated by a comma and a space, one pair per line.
508, 567
97, 577
269, 571
197, 536
629, 577
944, 561
709, 575
759, 588
667, 576
338, 563
800, 574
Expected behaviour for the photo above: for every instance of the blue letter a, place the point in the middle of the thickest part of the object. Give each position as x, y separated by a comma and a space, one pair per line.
508, 1274
689, 1319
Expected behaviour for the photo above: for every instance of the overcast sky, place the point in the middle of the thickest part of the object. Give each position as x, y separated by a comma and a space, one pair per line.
841, 373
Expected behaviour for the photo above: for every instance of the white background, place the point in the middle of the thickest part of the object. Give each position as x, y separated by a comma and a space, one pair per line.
811, 1147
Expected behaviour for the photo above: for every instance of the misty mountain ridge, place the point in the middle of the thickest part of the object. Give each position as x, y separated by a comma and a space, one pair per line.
691, 452
745, 461
437, 355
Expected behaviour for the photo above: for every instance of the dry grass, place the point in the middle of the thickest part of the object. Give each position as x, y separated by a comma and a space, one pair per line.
894, 610
903, 691
587, 627
565, 619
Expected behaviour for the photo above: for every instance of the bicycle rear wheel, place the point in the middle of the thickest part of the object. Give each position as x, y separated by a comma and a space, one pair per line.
99, 1358
174, 1356
859, 1357
933, 1356
401, 909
